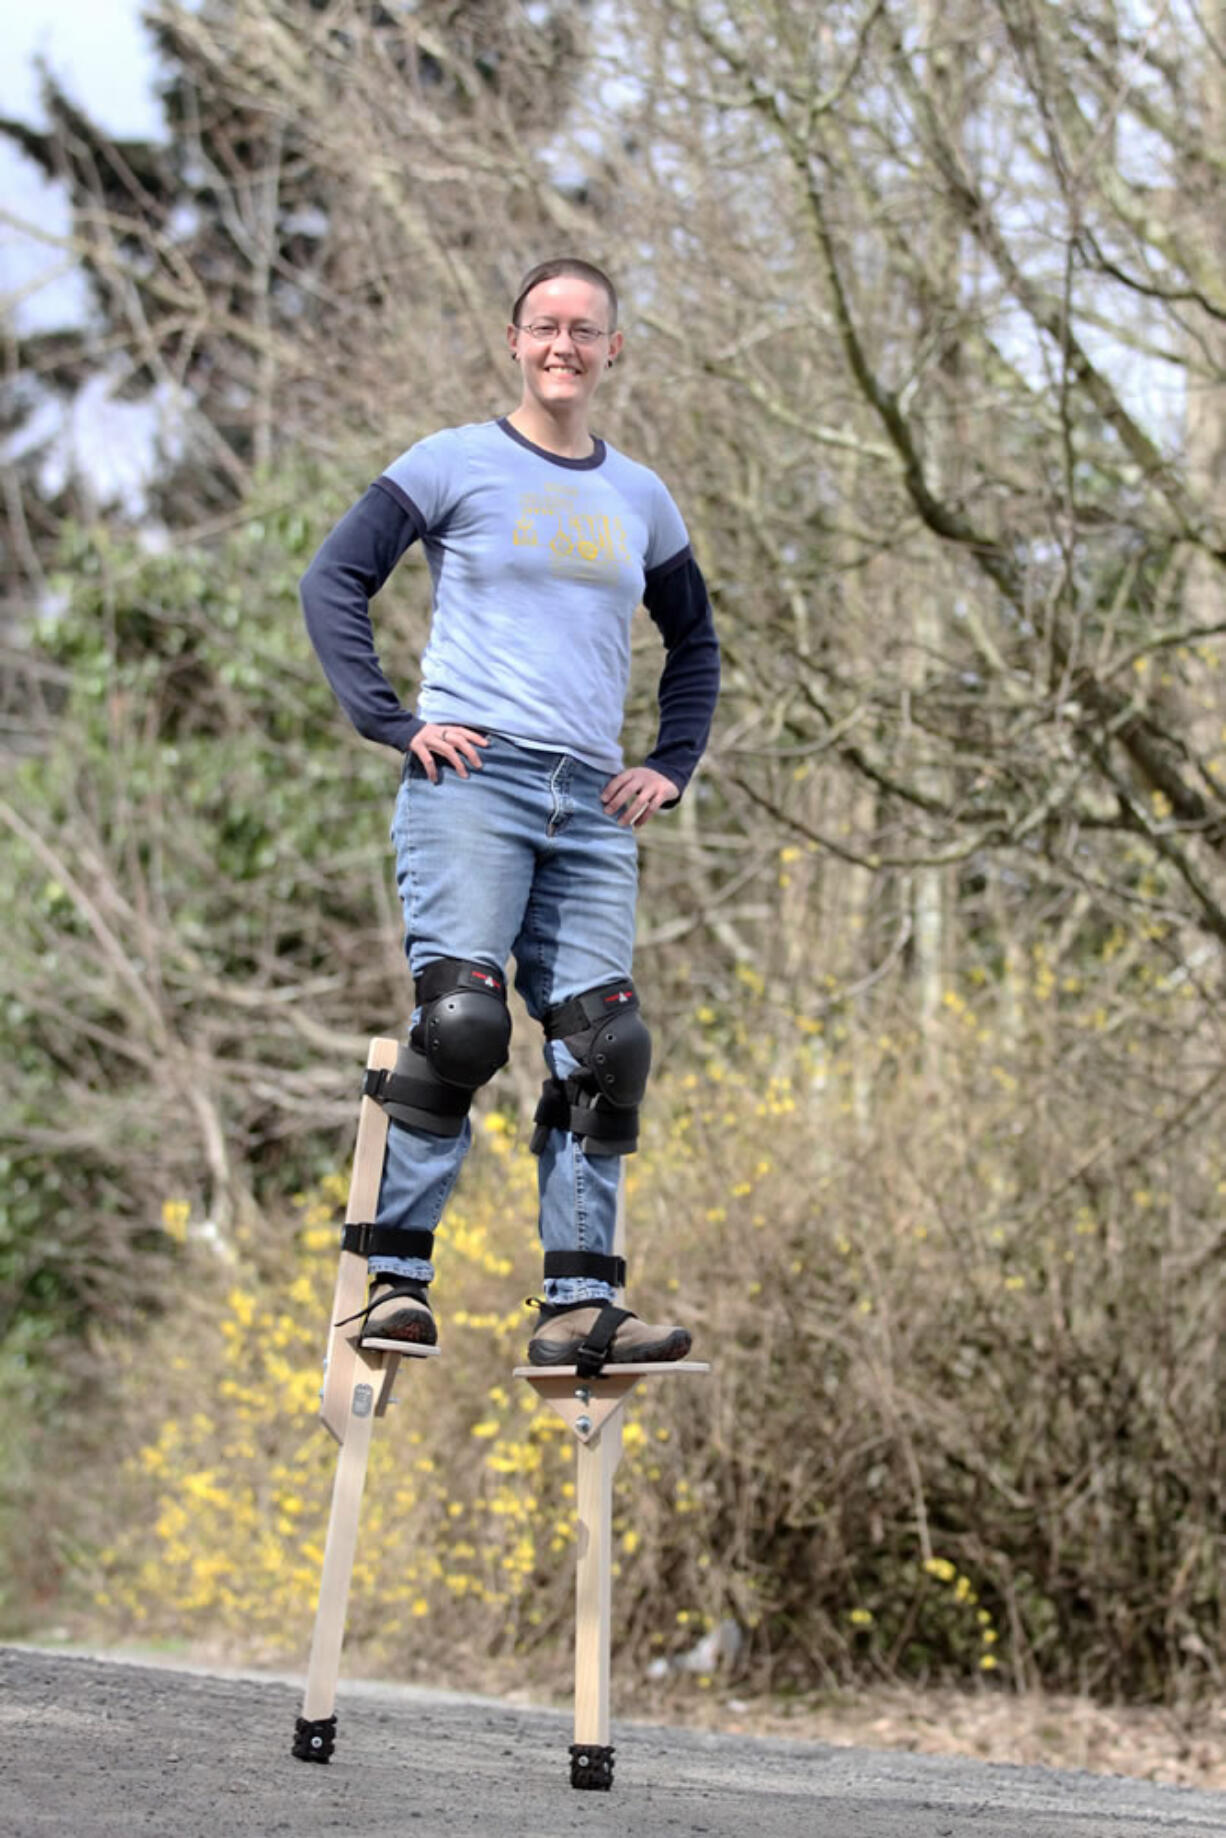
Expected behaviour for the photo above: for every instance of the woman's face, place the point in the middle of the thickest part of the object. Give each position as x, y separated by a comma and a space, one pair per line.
562, 362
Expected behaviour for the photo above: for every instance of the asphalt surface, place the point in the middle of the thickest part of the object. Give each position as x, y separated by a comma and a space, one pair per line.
94, 1748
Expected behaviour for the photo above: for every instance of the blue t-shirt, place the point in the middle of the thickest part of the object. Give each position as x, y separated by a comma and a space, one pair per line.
538, 564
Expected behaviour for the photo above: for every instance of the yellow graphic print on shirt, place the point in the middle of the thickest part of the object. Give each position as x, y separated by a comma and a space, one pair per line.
579, 542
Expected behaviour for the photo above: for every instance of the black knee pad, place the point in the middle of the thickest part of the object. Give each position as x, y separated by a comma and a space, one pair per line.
458, 1042
464, 1028
605, 1030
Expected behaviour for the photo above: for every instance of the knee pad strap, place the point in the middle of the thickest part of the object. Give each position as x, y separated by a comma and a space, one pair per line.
571, 1104
415, 1097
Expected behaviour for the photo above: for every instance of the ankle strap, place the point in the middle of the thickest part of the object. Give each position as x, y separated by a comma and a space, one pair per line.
387, 1241
611, 1270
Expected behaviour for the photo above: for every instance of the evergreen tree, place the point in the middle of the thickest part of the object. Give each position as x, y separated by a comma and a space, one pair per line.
336, 183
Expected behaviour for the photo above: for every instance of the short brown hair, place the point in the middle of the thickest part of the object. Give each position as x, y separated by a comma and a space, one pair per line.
565, 265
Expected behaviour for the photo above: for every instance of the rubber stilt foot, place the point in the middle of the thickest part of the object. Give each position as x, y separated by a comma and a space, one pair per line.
315, 1741
591, 1767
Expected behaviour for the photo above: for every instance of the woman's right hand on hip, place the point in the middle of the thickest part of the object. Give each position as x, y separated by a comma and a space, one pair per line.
448, 741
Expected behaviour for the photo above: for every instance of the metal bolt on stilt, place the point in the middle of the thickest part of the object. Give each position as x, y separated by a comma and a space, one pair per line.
583, 1425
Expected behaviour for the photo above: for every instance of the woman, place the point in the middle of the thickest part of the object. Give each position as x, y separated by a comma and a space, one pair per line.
515, 825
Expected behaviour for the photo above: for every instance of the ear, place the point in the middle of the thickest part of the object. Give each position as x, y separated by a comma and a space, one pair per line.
513, 342
615, 345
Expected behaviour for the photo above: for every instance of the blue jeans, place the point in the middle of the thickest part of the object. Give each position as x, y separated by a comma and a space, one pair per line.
518, 859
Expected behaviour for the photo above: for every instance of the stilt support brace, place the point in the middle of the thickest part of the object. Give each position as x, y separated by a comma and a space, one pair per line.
315, 1741
591, 1767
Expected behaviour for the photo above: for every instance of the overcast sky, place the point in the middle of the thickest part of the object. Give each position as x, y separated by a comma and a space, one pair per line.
101, 54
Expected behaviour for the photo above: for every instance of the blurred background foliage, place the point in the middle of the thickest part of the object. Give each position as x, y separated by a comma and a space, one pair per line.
925, 320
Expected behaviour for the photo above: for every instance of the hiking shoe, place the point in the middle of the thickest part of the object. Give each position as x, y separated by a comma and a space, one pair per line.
398, 1310
590, 1335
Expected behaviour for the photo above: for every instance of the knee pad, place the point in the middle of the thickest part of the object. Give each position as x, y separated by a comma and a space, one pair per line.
605, 1031
464, 1028
458, 1042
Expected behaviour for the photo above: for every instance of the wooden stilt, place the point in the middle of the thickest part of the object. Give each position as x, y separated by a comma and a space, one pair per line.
596, 1462
591, 1409
357, 1388
350, 1294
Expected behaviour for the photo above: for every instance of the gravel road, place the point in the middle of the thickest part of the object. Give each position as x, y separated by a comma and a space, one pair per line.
97, 1748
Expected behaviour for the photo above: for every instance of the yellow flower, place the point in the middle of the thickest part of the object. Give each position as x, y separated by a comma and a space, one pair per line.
175, 1215
242, 1306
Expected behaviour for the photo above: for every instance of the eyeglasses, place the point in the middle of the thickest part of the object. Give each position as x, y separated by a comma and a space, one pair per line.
543, 331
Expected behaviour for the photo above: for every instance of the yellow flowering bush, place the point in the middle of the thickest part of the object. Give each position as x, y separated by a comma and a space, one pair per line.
468, 1517
961, 1413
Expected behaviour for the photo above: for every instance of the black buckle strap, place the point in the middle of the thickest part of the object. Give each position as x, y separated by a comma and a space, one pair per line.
587, 1263
386, 1241
591, 1354
604, 1131
589, 1009
569, 1104
447, 974
415, 1094
552, 1113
